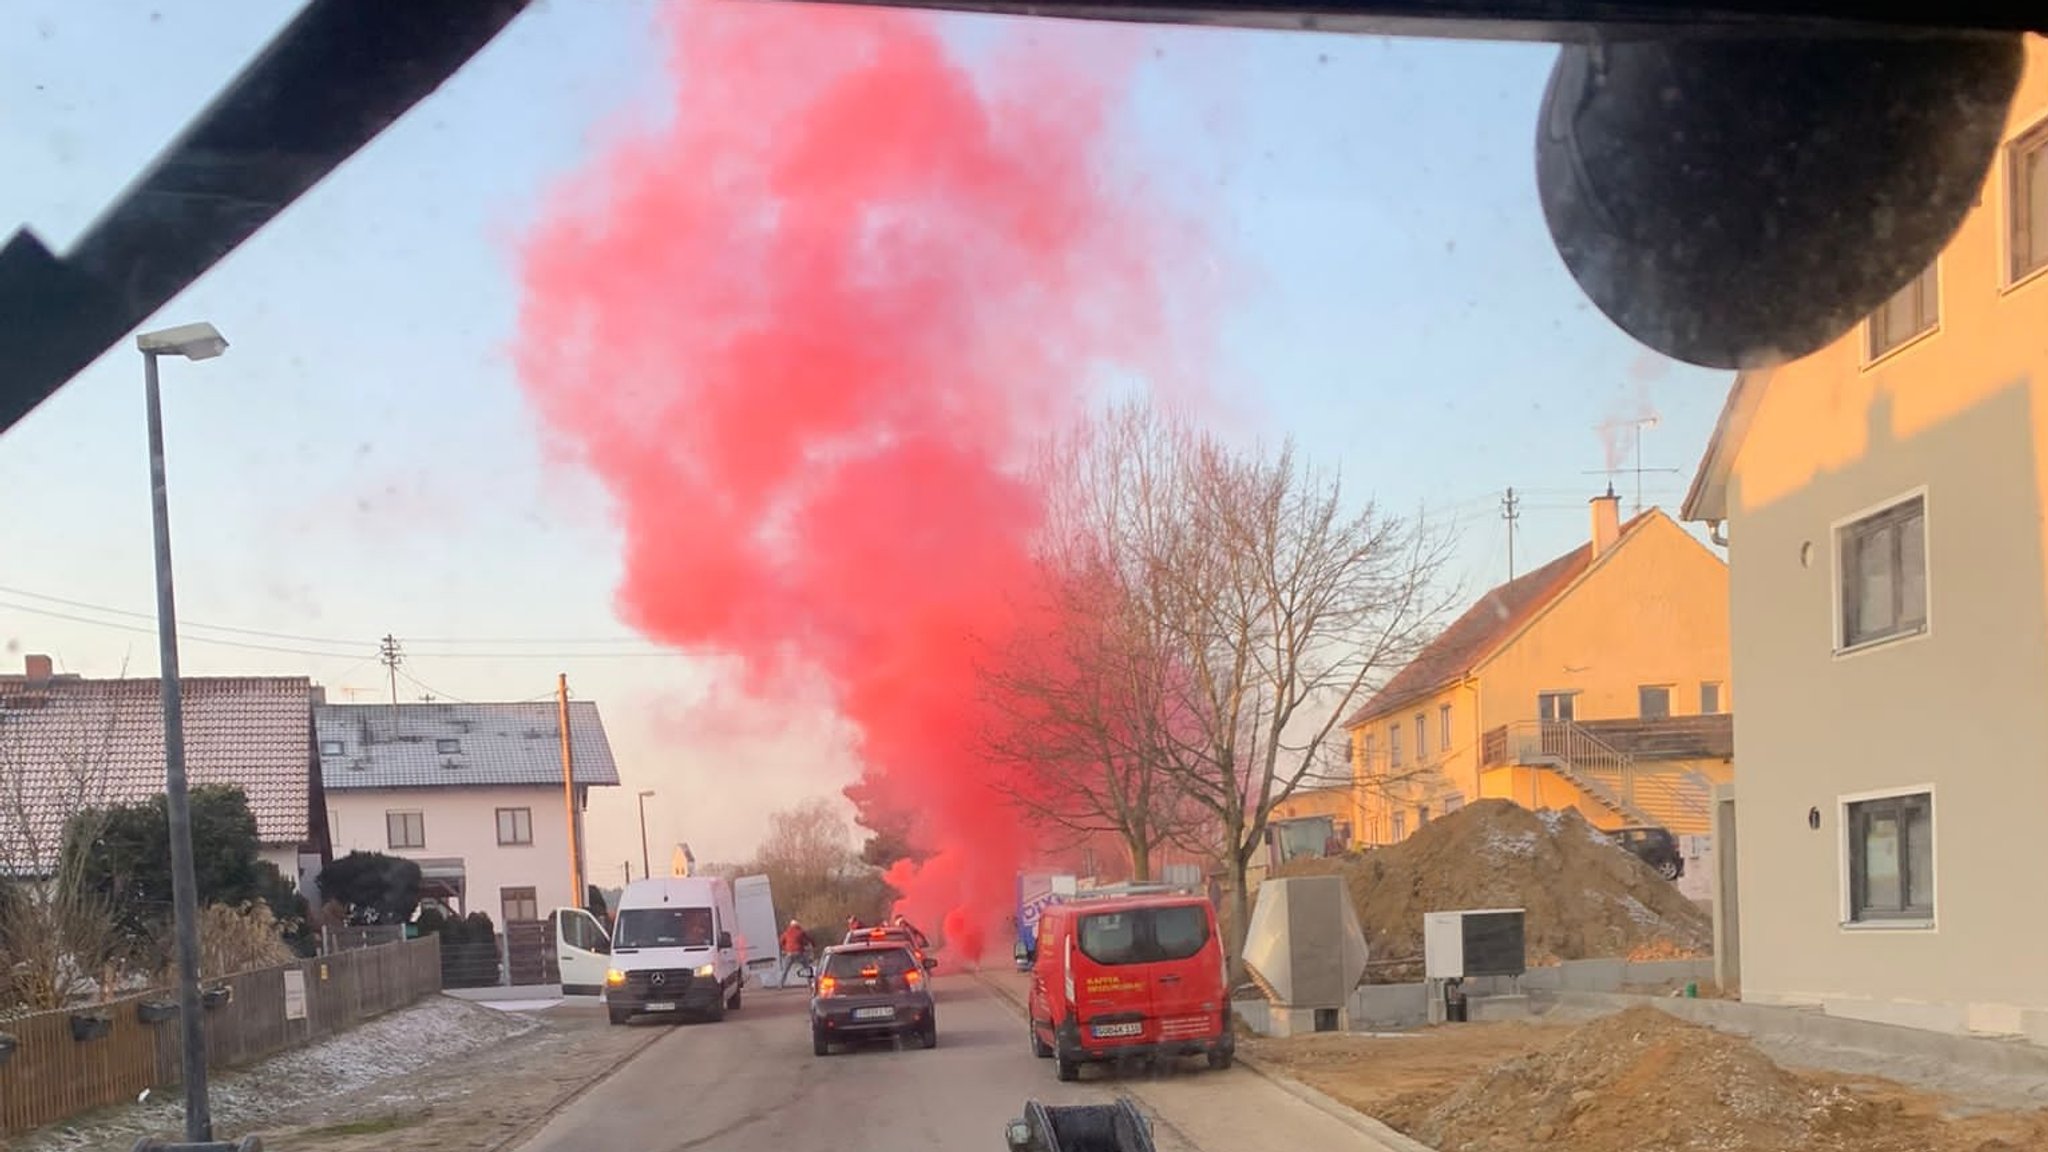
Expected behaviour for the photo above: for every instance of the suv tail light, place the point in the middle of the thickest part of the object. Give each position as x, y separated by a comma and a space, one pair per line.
828, 986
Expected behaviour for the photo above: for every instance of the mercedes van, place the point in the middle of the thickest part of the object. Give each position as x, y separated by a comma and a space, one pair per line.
674, 950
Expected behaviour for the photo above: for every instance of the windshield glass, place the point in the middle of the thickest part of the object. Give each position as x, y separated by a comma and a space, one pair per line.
664, 928
472, 466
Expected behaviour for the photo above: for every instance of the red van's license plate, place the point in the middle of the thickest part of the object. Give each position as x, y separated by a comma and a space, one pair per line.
1112, 1031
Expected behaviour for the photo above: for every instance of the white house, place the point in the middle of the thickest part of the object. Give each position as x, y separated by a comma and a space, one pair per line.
473, 792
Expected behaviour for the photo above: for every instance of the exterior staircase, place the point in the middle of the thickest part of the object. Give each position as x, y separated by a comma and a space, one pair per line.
1676, 799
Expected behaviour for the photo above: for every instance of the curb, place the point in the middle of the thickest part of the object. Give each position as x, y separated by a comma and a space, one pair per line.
1336, 1109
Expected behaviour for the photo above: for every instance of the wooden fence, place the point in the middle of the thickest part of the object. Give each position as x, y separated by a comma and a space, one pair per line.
132, 1043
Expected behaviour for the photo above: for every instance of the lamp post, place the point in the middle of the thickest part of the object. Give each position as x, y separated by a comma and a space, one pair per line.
644, 858
193, 342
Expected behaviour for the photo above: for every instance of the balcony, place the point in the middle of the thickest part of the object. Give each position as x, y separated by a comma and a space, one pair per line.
1605, 760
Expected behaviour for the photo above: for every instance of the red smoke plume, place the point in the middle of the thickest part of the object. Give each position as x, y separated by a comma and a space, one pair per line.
807, 332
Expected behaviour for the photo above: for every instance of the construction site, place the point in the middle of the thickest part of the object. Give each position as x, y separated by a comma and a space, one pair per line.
1582, 1012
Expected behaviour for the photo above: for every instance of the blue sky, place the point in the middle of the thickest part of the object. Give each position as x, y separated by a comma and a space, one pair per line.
362, 460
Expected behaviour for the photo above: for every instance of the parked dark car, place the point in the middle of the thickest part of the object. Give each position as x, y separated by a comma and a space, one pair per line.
1656, 847
872, 991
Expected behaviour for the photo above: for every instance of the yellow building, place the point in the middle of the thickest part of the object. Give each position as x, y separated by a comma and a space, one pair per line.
1598, 681
1883, 500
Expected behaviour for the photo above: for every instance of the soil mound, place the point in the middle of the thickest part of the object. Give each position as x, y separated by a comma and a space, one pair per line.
1584, 895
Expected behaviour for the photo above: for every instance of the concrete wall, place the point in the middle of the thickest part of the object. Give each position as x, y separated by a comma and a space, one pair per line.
1960, 414
462, 823
1386, 1007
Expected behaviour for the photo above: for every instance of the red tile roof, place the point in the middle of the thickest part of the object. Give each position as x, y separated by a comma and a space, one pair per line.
71, 743
1482, 629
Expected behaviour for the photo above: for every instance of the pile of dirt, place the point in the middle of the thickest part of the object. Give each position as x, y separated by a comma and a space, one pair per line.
1644, 1081
1584, 895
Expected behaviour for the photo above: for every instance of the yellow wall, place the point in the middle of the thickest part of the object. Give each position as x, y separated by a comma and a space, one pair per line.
1442, 776
1961, 414
1652, 611
1536, 788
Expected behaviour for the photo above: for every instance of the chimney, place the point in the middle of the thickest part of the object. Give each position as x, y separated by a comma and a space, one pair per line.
40, 669
1606, 521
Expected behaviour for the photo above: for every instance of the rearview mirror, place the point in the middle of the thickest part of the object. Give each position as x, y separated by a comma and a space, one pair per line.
930, 963
725, 939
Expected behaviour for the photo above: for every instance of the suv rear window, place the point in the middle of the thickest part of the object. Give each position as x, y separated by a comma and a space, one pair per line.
1143, 935
851, 965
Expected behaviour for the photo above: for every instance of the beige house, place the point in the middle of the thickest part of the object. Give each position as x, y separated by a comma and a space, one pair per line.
1883, 501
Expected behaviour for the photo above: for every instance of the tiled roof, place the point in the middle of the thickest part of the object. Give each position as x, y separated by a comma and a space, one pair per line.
1482, 629
71, 744
407, 745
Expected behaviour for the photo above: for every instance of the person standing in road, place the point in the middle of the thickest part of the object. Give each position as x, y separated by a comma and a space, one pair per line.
796, 944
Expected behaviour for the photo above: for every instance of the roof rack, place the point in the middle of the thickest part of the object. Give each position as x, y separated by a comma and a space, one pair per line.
1146, 889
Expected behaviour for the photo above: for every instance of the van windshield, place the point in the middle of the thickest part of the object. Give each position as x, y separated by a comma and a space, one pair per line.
1143, 935
664, 928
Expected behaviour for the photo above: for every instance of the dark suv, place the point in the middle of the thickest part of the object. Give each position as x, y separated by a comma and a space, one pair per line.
1656, 847
872, 991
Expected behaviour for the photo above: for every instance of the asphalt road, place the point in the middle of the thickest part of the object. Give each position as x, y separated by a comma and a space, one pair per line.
751, 1083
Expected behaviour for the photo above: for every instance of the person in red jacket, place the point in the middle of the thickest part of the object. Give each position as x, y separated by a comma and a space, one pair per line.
796, 945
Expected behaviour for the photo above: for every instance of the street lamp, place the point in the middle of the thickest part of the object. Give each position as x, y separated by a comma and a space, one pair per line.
645, 871
193, 342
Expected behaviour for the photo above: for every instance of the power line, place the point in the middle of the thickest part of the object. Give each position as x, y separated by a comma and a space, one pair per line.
430, 690
352, 646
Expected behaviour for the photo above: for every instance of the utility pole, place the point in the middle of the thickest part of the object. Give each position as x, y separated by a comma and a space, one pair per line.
391, 656
628, 866
569, 792
1511, 511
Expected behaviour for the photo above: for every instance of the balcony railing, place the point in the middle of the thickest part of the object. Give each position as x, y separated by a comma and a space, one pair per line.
1601, 771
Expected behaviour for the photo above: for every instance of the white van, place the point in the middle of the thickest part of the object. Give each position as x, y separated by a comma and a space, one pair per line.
674, 951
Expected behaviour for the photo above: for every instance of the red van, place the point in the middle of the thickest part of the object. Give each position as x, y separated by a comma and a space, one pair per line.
1130, 978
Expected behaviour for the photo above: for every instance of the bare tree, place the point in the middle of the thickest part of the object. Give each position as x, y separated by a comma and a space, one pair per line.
1280, 606
59, 939
1081, 692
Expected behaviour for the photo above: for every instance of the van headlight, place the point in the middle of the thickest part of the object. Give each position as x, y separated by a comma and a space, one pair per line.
707, 970
613, 977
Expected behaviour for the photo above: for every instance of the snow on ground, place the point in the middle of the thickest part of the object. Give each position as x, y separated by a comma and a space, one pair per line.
390, 1046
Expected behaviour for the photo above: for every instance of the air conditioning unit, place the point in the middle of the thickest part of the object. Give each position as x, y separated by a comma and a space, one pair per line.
1480, 942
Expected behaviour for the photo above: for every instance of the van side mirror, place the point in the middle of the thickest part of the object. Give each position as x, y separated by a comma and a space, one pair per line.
725, 939
930, 962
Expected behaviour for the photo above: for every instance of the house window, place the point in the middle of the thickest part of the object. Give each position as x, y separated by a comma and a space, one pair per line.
1393, 745
330, 747
1421, 738
1400, 825
2027, 161
1891, 858
1443, 736
1454, 801
1371, 751
1554, 706
447, 746
405, 829
1912, 311
518, 904
1653, 701
1421, 815
1710, 698
515, 825
1883, 564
